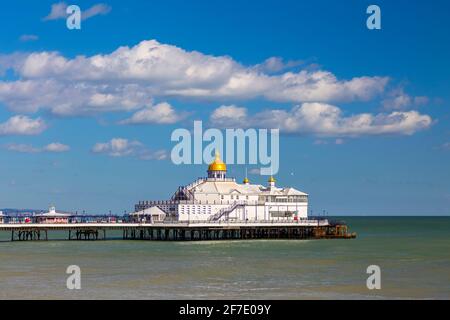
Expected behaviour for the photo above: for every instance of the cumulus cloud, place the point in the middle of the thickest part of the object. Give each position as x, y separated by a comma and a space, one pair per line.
324, 120
229, 116
277, 64
399, 100
323, 86
162, 113
22, 125
66, 100
58, 11
130, 76
54, 147
11, 61
28, 37
119, 147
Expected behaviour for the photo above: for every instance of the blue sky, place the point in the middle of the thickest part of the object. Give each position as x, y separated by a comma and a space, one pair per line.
363, 114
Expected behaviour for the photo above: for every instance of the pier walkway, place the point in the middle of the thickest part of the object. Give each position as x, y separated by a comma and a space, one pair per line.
184, 231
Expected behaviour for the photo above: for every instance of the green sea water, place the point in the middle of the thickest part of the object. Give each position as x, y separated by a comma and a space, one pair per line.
412, 252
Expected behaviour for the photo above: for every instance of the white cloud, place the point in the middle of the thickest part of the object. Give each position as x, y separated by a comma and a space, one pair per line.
11, 61
22, 125
162, 113
277, 64
119, 147
398, 100
323, 86
151, 69
22, 148
228, 116
95, 10
327, 120
66, 100
28, 37
54, 147
58, 11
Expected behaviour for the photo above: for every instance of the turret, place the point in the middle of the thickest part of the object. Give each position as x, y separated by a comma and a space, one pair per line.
271, 182
217, 169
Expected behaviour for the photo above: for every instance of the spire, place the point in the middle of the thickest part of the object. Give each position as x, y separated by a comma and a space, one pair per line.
52, 209
217, 169
246, 181
271, 181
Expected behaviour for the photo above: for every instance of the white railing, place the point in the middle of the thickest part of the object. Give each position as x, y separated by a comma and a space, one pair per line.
311, 222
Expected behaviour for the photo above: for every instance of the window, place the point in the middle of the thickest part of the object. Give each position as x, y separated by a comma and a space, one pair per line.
281, 214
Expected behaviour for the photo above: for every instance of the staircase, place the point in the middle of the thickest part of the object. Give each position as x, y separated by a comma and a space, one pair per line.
225, 212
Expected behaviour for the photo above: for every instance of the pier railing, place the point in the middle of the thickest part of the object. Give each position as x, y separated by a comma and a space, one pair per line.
320, 222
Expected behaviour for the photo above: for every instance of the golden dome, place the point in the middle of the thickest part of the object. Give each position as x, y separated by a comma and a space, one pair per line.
246, 180
217, 164
271, 179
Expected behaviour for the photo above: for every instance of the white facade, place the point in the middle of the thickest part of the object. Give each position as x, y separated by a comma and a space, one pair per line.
218, 198
52, 216
152, 214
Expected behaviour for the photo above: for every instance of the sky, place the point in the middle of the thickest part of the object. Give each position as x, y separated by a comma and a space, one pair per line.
86, 115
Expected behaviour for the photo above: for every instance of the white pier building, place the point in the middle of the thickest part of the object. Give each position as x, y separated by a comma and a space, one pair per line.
218, 198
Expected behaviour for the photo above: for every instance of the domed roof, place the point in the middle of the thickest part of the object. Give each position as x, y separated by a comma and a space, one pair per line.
217, 164
246, 180
271, 179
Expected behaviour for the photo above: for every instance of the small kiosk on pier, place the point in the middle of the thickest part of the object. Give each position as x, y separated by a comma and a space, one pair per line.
52, 216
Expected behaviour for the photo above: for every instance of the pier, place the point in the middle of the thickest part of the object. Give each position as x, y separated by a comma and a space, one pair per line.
211, 208
183, 231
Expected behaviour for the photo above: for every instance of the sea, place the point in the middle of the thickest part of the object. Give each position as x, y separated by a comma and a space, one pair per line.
413, 254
